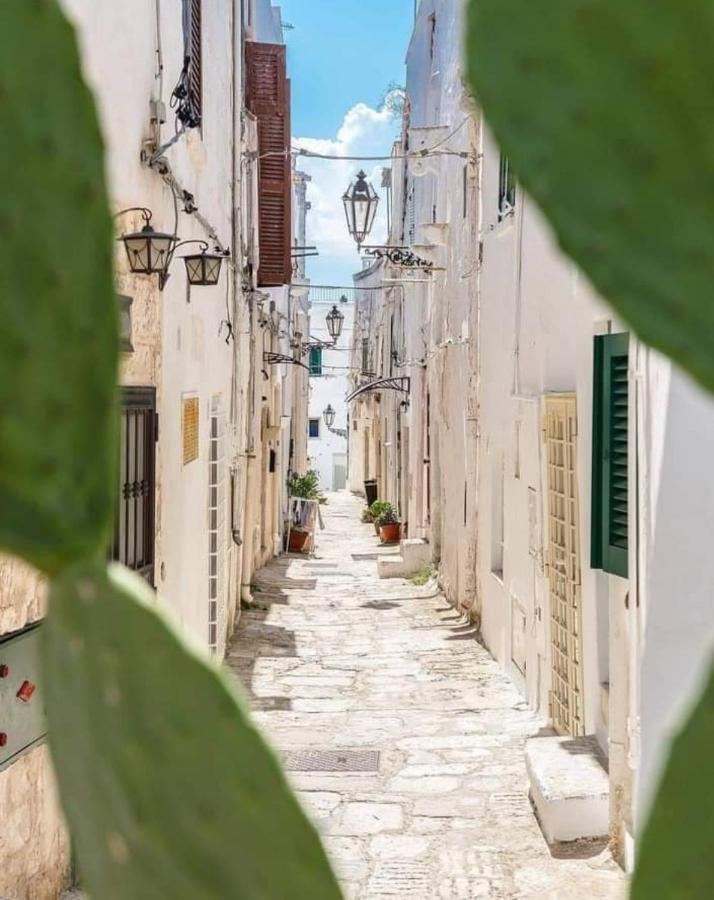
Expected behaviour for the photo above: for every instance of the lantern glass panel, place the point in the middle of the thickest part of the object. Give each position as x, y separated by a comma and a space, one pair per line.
212, 266
194, 269
137, 251
160, 246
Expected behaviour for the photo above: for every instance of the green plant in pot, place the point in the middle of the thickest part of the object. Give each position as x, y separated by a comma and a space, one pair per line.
377, 509
367, 516
390, 528
305, 487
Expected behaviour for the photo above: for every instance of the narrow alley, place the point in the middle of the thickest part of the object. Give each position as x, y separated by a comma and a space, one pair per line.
402, 735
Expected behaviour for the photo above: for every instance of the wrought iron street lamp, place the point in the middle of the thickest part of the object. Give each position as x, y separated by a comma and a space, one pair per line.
148, 251
360, 201
335, 320
329, 416
204, 268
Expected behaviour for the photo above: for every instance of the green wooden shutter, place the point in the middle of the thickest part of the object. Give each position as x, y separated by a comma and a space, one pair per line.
316, 361
610, 454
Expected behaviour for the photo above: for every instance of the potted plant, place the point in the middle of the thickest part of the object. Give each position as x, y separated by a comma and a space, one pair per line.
377, 509
306, 487
390, 528
367, 516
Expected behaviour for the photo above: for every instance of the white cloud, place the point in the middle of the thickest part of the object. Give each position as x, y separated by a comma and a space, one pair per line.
364, 132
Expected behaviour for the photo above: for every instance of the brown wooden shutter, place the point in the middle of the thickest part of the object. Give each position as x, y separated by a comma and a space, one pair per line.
268, 98
195, 78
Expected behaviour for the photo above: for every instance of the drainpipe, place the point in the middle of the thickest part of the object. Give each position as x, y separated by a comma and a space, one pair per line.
253, 477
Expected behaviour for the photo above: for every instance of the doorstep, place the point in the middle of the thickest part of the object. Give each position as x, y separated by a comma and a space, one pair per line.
414, 554
569, 786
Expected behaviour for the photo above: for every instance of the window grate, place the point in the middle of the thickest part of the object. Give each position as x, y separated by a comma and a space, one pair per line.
134, 539
218, 546
566, 697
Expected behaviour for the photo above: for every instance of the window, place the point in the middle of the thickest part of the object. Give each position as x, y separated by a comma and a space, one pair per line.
189, 429
133, 543
316, 361
365, 356
609, 549
195, 74
432, 36
506, 189
314, 428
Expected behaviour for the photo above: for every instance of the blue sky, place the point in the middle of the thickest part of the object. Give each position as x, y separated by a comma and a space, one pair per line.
342, 56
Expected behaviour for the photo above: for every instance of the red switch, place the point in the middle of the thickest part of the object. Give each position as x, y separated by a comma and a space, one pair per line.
4, 671
27, 689
3, 739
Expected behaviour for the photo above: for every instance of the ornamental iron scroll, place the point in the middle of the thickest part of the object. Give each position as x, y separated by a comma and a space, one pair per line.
400, 256
401, 384
280, 359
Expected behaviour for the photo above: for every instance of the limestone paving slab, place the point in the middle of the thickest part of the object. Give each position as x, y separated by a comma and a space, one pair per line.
334, 659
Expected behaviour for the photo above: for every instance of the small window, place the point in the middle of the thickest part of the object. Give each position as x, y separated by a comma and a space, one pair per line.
506, 189
316, 361
314, 428
610, 538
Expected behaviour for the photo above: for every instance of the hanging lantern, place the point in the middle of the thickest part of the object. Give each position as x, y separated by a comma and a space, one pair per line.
204, 268
329, 416
360, 201
149, 252
335, 320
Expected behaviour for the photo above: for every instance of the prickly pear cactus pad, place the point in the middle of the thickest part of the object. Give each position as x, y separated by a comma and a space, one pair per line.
169, 790
604, 108
58, 318
675, 856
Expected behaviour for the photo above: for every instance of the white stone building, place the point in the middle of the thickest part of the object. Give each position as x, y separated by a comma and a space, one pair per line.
209, 420
555, 466
329, 386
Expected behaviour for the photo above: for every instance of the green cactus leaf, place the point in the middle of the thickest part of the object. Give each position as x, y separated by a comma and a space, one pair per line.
603, 108
58, 319
169, 789
675, 856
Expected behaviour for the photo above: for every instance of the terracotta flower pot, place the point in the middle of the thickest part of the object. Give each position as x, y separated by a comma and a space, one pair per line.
391, 534
298, 539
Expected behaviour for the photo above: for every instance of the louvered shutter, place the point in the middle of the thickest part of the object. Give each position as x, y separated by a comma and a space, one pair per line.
195, 74
268, 98
610, 532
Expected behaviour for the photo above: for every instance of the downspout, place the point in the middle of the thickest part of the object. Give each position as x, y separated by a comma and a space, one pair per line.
252, 476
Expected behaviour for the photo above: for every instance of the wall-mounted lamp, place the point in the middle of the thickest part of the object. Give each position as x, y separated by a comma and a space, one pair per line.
148, 251
204, 268
329, 416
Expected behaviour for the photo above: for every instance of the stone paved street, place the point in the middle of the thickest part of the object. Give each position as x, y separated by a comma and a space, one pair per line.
402, 735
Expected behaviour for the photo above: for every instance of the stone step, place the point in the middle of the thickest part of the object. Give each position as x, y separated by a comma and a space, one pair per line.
414, 554
569, 787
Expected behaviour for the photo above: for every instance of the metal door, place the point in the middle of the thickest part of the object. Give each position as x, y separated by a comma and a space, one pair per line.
563, 564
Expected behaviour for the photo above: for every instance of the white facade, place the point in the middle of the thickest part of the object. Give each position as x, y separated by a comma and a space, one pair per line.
327, 451
227, 421
498, 342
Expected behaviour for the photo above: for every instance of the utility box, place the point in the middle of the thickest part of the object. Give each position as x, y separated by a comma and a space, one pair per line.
22, 712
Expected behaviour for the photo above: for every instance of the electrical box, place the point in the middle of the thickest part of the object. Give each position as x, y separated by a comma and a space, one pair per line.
22, 713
